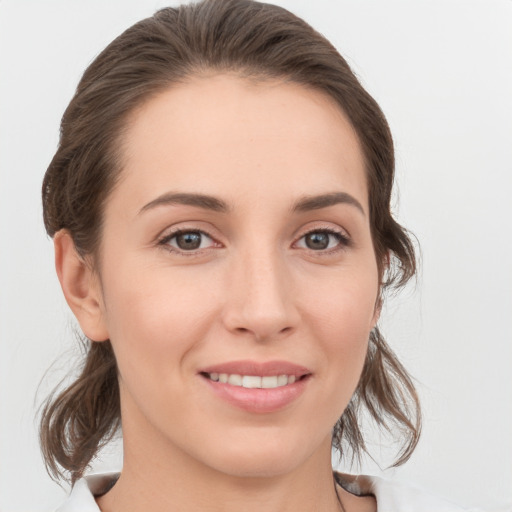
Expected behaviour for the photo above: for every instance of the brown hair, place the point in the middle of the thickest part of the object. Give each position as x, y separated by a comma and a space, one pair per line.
257, 41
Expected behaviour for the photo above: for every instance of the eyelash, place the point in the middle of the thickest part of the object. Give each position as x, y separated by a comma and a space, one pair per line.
343, 241
164, 242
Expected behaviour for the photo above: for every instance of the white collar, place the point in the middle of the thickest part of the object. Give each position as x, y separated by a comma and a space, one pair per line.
391, 496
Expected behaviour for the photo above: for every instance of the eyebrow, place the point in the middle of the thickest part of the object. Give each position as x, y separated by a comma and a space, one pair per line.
325, 200
207, 202
199, 200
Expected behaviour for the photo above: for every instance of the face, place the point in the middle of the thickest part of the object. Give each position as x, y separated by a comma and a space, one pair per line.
236, 247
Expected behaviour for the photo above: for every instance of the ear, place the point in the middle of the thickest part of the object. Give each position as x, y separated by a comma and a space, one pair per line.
386, 261
81, 287
376, 312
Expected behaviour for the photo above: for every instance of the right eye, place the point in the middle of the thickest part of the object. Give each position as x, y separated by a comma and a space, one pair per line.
187, 241
324, 241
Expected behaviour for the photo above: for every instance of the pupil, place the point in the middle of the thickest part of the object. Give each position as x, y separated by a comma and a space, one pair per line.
317, 240
188, 241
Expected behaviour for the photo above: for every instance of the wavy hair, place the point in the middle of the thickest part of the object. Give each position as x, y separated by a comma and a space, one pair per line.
257, 41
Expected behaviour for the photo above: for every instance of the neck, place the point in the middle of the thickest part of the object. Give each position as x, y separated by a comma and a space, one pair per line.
160, 476
149, 483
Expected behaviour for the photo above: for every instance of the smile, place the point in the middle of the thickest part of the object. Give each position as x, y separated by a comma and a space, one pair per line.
257, 387
252, 381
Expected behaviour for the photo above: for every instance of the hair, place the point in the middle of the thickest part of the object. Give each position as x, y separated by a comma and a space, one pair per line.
253, 40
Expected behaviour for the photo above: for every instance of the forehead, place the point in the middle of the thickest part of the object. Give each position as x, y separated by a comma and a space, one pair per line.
227, 135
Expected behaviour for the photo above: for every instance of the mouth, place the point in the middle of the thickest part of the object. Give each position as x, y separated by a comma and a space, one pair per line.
257, 387
253, 381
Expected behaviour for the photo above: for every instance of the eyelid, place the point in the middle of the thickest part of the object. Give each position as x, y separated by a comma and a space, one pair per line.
343, 236
163, 241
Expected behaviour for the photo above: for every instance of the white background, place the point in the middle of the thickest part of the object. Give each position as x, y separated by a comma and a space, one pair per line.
442, 72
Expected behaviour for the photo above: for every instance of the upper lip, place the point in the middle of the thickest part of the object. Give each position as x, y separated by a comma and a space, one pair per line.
262, 369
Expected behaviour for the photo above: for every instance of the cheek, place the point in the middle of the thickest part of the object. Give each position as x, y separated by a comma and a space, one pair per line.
156, 321
155, 317
341, 315
343, 302
343, 330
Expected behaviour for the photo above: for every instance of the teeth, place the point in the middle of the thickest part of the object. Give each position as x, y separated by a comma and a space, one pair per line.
272, 382
235, 380
282, 380
249, 381
253, 381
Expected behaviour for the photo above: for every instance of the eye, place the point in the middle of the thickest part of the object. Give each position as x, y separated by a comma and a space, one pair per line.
187, 241
323, 240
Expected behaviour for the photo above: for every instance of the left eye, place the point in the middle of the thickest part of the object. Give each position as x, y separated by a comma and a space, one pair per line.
188, 240
321, 240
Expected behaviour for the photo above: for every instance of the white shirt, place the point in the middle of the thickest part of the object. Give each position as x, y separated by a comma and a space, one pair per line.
391, 496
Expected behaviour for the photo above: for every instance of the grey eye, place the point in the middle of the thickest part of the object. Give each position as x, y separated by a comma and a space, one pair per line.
322, 240
190, 240
317, 240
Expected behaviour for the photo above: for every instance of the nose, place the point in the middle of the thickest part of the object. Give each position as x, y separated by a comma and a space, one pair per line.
260, 298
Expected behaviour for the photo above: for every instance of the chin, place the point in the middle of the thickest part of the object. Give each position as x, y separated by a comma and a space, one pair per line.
258, 458
258, 467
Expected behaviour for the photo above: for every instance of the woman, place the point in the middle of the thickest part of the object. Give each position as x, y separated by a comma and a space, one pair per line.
219, 204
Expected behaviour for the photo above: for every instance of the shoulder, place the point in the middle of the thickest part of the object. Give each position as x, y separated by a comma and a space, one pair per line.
81, 498
395, 496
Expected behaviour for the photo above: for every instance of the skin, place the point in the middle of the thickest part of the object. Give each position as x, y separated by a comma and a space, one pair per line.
253, 290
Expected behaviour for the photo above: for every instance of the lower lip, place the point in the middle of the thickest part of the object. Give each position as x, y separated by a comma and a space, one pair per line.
258, 400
